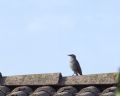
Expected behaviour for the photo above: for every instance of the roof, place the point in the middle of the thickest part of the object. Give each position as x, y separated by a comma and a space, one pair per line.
54, 84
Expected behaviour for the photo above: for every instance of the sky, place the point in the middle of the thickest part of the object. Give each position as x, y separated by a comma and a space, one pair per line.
37, 35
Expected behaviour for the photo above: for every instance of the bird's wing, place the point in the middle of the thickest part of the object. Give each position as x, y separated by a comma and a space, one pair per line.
78, 68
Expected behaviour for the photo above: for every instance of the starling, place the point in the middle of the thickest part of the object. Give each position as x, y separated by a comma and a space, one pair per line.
0, 75
74, 64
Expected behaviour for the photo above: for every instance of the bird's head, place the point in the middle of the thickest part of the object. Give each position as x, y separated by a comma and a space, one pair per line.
72, 55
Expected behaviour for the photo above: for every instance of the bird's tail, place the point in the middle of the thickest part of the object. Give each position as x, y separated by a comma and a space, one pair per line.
80, 73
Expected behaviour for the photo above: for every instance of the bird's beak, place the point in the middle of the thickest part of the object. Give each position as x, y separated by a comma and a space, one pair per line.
69, 55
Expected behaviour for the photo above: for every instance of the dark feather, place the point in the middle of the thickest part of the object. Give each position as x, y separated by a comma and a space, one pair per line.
78, 68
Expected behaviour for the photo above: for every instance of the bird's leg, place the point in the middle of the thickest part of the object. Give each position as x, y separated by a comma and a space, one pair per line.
76, 74
79, 74
73, 74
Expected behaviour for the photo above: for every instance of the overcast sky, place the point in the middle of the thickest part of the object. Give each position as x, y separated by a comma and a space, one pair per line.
37, 35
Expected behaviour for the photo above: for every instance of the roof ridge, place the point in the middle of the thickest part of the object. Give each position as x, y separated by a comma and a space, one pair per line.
58, 79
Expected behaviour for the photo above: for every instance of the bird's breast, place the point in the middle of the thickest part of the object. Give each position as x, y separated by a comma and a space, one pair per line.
73, 65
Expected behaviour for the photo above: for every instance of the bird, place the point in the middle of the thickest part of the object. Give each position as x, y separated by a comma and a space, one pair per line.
0, 75
74, 64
